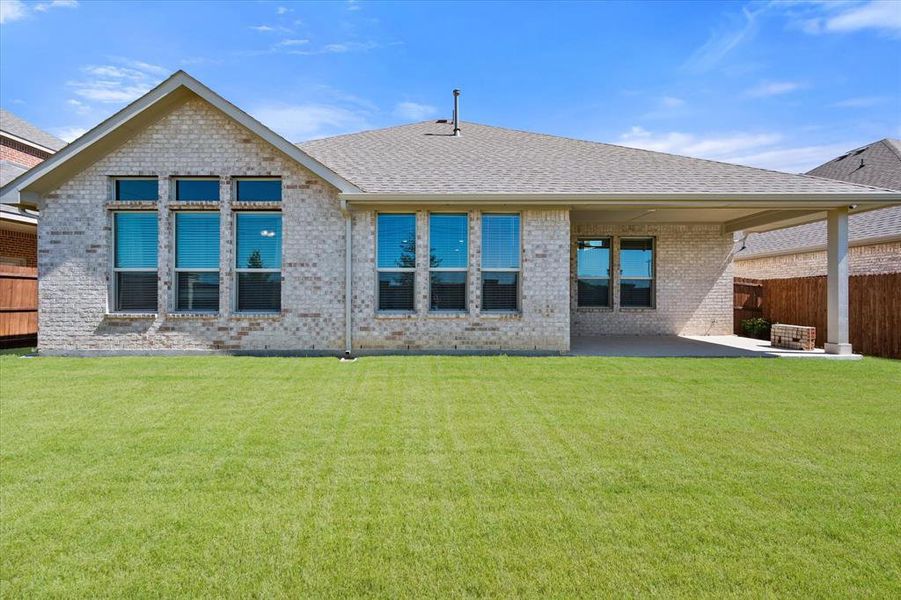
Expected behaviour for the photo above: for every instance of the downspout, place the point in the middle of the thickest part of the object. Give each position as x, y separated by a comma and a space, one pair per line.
348, 279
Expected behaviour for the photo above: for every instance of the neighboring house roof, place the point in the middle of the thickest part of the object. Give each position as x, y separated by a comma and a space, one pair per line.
876, 164
22, 129
9, 171
424, 158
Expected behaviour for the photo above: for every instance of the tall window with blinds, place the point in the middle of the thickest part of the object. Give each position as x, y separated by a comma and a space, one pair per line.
197, 262
135, 261
636, 265
396, 261
448, 261
258, 262
593, 270
500, 262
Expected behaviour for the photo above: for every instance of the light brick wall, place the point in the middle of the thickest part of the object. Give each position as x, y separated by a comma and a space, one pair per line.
863, 260
693, 283
194, 139
543, 323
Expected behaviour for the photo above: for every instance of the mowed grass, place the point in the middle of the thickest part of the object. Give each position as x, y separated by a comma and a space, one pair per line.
427, 476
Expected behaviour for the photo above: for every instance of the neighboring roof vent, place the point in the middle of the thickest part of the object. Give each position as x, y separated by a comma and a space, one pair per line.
456, 113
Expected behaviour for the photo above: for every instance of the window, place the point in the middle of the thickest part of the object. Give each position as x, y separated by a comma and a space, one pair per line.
593, 272
396, 262
258, 190
500, 262
259, 262
197, 262
136, 189
636, 267
134, 261
197, 190
448, 261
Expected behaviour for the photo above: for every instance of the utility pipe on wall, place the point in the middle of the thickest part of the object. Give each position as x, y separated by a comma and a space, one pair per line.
348, 279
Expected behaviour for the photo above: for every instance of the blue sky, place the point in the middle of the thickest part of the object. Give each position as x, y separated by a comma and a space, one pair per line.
783, 85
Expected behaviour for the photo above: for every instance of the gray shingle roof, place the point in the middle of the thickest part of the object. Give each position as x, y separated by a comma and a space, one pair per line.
9, 171
881, 167
425, 158
877, 164
21, 128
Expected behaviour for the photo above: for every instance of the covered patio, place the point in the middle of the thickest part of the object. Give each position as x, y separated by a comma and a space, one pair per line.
710, 346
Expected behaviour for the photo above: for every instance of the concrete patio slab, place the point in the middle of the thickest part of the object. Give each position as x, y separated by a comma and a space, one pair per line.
713, 346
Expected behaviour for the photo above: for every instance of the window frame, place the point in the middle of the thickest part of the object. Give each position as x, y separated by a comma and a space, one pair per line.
237, 270
114, 187
464, 269
652, 278
113, 304
177, 178
483, 270
609, 278
237, 179
379, 270
176, 269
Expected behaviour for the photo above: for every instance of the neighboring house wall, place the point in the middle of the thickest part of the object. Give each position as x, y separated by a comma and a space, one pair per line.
863, 260
18, 247
542, 324
19, 153
194, 139
693, 283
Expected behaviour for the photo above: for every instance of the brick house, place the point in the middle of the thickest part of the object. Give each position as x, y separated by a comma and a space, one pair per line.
182, 224
874, 237
22, 146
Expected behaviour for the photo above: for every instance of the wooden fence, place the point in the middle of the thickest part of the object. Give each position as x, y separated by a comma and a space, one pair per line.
874, 306
18, 306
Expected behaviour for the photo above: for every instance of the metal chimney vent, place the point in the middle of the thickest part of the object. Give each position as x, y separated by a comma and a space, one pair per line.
456, 113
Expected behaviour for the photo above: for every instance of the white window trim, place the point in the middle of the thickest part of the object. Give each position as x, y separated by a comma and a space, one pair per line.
652, 278
464, 269
176, 269
238, 270
608, 279
483, 270
114, 284
235, 181
395, 269
112, 187
173, 192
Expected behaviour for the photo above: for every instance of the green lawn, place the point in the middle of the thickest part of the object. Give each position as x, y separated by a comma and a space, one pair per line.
425, 476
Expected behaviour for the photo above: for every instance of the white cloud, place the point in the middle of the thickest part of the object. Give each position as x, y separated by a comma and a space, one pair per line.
671, 102
78, 106
414, 111
791, 160
282, 10
860, 102
292, 42
45, 6
116, 84
354, 5
69, 133
12, 10
309, 121
262, 28
723, 41
773, 88
879, 14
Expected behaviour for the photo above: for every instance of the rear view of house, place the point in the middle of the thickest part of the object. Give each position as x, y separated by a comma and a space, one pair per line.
182, 224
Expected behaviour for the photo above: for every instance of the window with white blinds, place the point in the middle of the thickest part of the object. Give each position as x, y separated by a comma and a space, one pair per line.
258, 262
135, 261
396, 261
197, 262
500, 262
636, 268
448, 261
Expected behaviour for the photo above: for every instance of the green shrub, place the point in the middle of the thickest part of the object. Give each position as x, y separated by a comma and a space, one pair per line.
758, 327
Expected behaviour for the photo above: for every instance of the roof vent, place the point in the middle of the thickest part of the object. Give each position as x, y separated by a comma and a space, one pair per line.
456, 113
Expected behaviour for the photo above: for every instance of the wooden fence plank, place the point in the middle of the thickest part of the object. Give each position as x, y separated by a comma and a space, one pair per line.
18, 305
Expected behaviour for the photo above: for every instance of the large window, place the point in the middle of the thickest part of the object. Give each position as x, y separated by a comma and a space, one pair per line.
194, 189
448, 261
396, 261
135, 262
197, 262
593, 269
130, 189
500, 262
258, 262
636, 265
258, 190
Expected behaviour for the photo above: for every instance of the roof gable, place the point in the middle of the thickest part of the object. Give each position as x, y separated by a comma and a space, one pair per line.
877, 164
135, 116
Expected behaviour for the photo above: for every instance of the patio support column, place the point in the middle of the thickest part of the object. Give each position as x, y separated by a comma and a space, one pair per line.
837, 282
